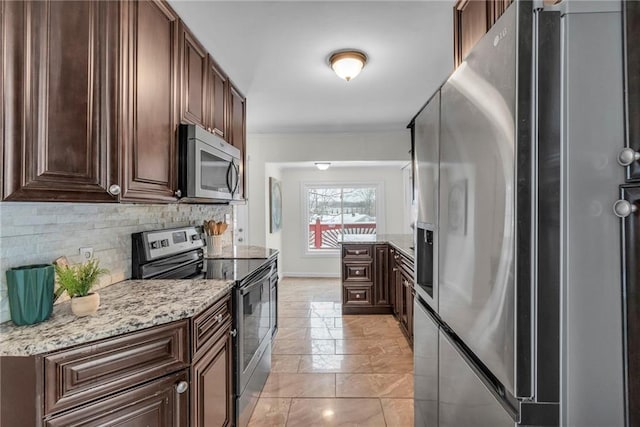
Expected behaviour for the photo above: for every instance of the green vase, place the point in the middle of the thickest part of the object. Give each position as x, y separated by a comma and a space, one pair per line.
30, 291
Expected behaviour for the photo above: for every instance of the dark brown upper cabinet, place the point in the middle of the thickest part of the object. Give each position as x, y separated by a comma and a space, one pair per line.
92, 96
471, 20
193, 76
59, 100
238, 130
217, 100
149, 111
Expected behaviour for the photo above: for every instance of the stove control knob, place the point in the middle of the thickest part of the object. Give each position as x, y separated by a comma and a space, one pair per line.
165, 243
195, 237
154, 245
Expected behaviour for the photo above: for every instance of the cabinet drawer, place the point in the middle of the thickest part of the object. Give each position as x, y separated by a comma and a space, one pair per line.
154, 404
206, 325
356, 251
357, 272
358, 295
92, 371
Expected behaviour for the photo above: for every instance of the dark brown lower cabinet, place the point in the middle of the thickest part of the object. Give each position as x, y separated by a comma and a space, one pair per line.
212, 384
378, 279
156, 404
365, 288
151, 378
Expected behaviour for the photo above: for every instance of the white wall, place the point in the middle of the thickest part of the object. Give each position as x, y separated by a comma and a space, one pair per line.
264, 149
294, 260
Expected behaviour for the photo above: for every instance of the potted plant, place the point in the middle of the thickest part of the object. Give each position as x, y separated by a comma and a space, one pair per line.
77, 280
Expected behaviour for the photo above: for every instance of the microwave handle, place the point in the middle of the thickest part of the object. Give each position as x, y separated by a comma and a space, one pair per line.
237, 170
228, 178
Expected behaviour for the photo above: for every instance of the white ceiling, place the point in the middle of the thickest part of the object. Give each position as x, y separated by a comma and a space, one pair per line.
276, 53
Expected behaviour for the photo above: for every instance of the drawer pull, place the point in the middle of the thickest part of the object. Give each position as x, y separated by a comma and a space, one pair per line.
358, 272
233, 332
219, 318
356, 252
182, 386
357, 295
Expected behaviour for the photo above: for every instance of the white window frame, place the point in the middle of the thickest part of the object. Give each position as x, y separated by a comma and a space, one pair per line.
305, 185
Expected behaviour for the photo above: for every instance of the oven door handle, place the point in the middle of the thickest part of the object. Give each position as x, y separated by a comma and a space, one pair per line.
246, 289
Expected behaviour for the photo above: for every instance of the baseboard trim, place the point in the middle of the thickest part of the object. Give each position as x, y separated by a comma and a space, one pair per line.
311, 275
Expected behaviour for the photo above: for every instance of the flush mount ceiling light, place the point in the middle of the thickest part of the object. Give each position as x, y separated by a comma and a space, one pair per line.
323, 166
347, 63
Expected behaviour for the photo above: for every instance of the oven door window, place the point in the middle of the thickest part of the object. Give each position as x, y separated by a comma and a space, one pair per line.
256, 320
215, 173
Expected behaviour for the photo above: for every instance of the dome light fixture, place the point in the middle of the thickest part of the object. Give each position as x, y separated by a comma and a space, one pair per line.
347, 63
323, 166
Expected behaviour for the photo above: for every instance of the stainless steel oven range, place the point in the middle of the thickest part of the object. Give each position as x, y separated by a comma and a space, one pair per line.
177, 254
254, 317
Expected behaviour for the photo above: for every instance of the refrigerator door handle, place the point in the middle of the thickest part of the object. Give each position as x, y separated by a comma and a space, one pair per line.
627, 156
623, 208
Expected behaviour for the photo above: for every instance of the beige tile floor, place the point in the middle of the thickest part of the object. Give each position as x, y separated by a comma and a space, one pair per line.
330, 370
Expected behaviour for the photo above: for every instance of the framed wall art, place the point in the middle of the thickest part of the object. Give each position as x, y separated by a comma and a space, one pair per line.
275, 204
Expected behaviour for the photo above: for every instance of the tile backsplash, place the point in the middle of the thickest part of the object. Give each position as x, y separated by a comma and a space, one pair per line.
35, 233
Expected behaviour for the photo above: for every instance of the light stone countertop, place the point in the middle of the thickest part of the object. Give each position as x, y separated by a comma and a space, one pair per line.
402, 242
127, 306
243, 252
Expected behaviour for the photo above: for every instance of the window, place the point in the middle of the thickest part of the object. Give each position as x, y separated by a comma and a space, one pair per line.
336, 213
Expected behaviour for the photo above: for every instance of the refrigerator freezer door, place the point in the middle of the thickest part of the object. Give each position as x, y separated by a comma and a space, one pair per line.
426, 152
631, 239
425, 374
464, 399
478, 199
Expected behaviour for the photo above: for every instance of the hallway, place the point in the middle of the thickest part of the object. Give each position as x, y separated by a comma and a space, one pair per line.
330, 370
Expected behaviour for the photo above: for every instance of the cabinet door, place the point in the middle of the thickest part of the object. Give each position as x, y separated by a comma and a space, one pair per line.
218, 99
59, 98
156, 404
237, 130
193, 76
399, 307
632, 29
212, 385
631, 239
380, 275
470, 23
150, 39
471, 20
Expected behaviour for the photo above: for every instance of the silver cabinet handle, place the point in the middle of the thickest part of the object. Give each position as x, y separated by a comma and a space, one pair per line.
357, 295
627, 156
182, 386
219, 318
395, 269
114, 189
233, 332
623, 208
357, 272
178, 193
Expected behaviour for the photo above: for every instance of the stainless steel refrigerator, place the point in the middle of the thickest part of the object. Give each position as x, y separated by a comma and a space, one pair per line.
497, 304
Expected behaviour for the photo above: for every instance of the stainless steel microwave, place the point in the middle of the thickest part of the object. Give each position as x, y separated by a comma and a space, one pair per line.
209, 167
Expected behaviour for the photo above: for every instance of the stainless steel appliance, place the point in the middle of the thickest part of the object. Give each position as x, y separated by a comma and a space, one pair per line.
177, 254
167, 254
497, 350
426, 149
253, 307
528, 270
209, 168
